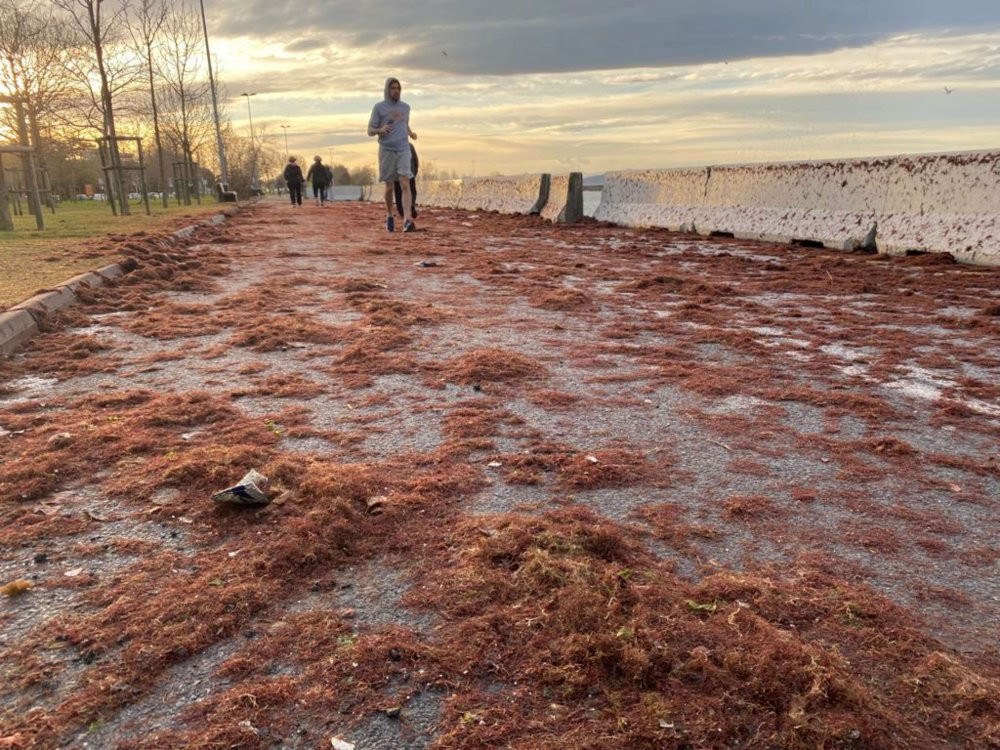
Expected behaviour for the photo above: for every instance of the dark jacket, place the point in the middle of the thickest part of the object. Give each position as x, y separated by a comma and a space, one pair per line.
320, 174
293, 174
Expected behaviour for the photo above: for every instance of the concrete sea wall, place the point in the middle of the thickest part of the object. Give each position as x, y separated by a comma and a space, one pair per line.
558, 198
940, 203
440, 193
517, 194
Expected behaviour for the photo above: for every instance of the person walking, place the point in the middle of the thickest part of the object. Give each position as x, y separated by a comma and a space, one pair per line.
294, 179
397, 189
390, 121
319, 175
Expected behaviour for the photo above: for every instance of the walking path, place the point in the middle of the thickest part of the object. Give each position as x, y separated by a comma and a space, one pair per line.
534, 486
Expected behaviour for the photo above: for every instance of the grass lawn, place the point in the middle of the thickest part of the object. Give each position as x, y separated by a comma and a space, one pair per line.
31, 260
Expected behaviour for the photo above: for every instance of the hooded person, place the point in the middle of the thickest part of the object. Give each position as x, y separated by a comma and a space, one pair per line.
390, 121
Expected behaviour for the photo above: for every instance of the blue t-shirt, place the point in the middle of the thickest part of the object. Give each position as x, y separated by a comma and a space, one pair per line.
397, 113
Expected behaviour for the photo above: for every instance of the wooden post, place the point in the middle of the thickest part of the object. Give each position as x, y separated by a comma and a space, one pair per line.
43, 169
6, 222
50, 196
142, 178
119, 175
175, 166
108, 196
187, 181
34, 199
27, 159
196, 180
184, 182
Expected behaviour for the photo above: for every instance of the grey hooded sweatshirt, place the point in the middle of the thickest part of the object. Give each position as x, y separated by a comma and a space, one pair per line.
397, 113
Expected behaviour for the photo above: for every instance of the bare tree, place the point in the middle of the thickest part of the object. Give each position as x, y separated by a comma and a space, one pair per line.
99, 25
187, 117
268, 157
243, 156
239, 153
32, 51
362, 176
429, 172
144, 25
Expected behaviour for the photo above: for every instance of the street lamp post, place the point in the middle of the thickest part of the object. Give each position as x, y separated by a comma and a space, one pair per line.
223, 165
253, 145
285, 128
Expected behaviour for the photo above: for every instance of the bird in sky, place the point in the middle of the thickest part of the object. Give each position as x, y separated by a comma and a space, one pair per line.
947, 90
444, 53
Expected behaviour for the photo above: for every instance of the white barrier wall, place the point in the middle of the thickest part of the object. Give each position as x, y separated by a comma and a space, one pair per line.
557, 198
508, 195
517, 194
440, 193
945, 202
346, 193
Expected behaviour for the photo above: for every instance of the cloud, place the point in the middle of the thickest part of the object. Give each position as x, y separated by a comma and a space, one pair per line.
307, 44
484, 37
885, 98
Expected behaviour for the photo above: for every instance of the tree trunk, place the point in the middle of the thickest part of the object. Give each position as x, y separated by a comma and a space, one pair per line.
43, 169
28, 164
114, 175
156, 126
6, 222
185, 146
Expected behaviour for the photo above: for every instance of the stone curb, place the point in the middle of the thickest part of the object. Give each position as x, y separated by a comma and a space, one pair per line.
110, 272
85, 280
16, 327
24, 320
42, 305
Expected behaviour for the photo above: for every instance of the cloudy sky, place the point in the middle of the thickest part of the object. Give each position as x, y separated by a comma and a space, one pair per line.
558, 85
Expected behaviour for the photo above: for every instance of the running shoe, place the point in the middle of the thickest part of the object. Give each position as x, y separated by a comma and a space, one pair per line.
409, 226
390, 223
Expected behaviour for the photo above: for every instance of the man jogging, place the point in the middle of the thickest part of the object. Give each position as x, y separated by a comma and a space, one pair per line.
390, 121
